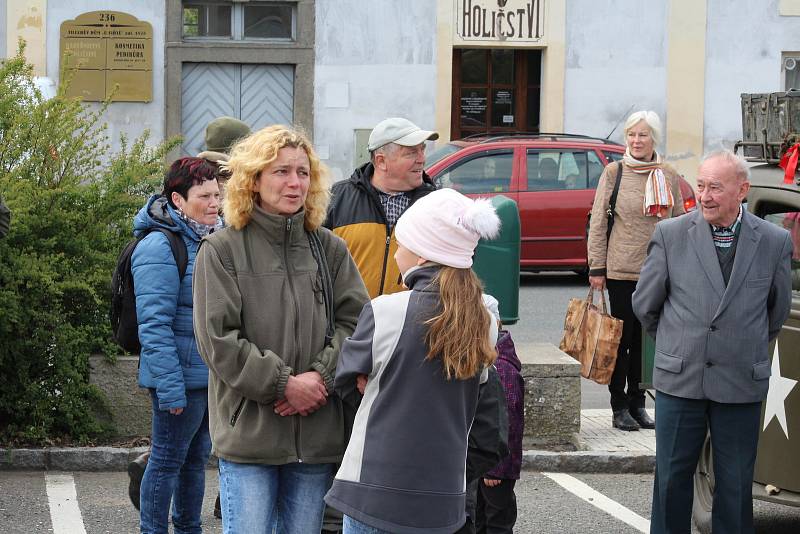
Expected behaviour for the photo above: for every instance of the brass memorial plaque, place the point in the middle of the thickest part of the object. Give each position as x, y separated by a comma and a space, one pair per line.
109, 49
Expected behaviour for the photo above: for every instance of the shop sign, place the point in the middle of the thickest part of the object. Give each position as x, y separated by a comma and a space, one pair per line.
500, 20
110, 55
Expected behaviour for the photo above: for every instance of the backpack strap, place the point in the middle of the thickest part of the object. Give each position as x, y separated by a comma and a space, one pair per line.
612, 203
179, 252
318, 251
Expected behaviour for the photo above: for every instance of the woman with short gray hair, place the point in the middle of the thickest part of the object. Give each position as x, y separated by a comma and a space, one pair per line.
648, 190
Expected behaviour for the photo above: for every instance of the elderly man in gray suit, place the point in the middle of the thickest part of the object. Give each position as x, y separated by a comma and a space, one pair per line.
714, 291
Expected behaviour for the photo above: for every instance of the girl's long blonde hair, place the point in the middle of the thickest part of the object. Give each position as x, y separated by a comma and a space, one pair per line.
252, 155
459, 335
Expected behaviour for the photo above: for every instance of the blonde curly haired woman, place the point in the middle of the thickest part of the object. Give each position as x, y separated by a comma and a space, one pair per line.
261, 315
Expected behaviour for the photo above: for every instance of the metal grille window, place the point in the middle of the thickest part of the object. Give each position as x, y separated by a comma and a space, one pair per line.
208, 19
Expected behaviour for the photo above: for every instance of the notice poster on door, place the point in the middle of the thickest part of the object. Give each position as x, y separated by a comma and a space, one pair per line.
473, 108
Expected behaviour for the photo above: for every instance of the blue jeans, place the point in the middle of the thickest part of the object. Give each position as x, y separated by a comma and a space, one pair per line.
353, 526
257, 498
176, 470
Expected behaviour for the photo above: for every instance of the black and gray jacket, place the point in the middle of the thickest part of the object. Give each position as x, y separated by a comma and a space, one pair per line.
404, 468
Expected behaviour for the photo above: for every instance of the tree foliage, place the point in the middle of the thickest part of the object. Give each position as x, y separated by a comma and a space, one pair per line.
72, 203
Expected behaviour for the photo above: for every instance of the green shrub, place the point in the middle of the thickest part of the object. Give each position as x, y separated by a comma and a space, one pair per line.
72, 203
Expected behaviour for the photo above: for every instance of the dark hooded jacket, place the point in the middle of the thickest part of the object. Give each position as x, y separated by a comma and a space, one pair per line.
355, 214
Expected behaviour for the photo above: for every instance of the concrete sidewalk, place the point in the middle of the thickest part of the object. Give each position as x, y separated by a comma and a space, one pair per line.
602, 449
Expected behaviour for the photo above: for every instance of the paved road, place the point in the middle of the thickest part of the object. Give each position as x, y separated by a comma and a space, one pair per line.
545, 506
543, 303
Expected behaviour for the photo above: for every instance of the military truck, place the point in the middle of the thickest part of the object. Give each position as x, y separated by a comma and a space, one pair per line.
771, 125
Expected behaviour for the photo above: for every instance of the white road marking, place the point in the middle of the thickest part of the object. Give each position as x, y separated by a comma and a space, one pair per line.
65, 514
597, 499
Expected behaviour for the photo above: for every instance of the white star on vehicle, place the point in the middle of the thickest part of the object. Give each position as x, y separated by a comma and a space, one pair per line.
779, 389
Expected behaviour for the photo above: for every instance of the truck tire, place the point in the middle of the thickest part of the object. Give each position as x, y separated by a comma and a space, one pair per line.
703, 489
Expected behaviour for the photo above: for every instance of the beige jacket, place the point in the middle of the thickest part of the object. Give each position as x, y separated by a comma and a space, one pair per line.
622, 257
259, 317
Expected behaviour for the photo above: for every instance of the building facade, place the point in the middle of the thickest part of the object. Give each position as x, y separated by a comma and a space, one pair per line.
462, 67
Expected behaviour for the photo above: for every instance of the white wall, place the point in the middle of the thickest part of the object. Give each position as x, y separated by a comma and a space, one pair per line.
744, 43
374, 60
616, 58
129, 118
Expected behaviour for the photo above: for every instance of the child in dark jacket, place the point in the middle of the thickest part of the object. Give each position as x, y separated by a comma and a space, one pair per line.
497, 505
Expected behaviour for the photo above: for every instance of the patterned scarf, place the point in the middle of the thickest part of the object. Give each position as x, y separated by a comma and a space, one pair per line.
200, 229
657, 194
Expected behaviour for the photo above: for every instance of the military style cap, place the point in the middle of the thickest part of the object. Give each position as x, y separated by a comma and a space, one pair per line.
223, 132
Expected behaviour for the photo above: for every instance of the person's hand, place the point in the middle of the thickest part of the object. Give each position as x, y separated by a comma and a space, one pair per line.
176, 411
491, 482
597, 282
361, 383
283, 408
305, 394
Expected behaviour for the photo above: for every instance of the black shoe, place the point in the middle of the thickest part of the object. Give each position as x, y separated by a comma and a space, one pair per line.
623, 420
217, 508
136, 472
641, 416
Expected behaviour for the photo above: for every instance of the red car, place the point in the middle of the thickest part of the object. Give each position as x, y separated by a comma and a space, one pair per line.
551, 177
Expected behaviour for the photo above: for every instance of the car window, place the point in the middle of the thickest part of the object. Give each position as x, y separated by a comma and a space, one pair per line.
438, 154
595, 169
555, 170
790, 220
613, 156
483, 173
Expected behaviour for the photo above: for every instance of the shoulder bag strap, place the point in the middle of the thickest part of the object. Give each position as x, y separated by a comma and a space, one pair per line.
179, 252
318, 251
612, 203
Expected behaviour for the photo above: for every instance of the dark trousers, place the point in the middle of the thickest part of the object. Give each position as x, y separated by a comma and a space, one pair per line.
681, 428
496, 511
629, 356
470, 504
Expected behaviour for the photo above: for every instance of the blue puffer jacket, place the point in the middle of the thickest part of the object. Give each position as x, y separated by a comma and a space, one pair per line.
169, 360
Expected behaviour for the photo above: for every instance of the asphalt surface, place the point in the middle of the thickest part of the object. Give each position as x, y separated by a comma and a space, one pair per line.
544, 505
543, 299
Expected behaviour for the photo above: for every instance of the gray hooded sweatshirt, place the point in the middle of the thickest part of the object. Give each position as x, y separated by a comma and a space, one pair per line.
404, 468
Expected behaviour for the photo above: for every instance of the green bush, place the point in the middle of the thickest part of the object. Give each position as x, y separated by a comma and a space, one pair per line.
72, 203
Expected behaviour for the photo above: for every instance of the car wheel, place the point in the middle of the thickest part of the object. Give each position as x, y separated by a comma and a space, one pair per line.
703, 489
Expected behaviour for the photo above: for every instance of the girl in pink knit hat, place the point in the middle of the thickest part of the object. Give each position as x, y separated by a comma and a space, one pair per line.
413, 367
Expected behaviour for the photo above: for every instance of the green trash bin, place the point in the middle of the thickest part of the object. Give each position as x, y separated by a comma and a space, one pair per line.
496, 261
648, 359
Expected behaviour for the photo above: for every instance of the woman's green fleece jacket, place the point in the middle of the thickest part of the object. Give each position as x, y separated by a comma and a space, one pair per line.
259, 317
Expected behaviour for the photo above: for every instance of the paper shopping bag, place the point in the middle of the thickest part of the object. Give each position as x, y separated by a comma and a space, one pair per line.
592, 336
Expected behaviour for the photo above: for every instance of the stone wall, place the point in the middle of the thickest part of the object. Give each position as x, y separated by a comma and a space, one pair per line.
130, 404
552, 395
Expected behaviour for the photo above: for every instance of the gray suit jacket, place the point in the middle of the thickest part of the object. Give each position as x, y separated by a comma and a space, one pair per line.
712, 341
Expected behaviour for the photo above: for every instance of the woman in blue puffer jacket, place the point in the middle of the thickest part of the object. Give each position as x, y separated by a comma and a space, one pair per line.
170, 365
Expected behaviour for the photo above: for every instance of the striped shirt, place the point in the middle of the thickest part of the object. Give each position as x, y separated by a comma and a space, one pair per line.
724, 235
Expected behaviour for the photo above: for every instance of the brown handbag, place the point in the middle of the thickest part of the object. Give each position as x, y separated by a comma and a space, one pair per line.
592, 337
